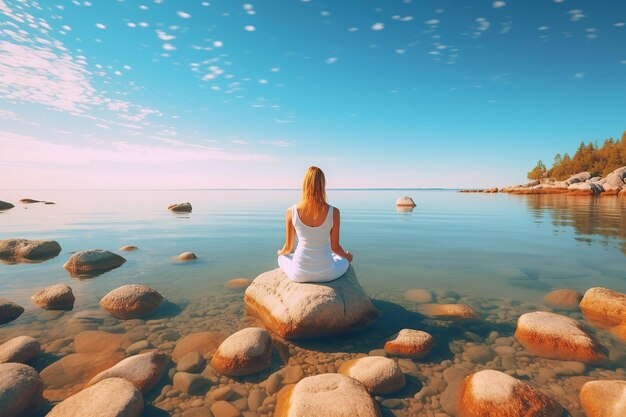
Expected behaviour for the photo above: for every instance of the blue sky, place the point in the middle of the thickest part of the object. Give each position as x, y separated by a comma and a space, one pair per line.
202, 94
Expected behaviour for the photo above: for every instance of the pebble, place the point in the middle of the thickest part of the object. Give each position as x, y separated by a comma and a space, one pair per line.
221, 393
191, 362
224, 409
191, 384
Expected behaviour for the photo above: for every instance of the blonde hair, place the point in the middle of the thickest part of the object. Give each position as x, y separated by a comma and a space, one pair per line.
314, 188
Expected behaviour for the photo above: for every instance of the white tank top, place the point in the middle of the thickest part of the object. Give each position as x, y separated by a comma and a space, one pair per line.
313, 256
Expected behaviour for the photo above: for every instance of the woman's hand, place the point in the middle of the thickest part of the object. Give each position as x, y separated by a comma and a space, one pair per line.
283, 252
349, 256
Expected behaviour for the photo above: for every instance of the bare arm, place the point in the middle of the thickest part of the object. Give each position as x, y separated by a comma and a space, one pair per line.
334, 237
290, 235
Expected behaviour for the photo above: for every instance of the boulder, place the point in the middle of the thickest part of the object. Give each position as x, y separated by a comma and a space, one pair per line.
379, 375
20, 390
192, 384
192, 362
5, 206
449, 312
144, 370
180, 207
604, 308
24, 250
131, 301
419, 295
410, 343
70, 374
563, 299
19, 349
615, 180
307, 310
29, 201
491, 393
604, 398
93, 341
93, 262
245, 352
112, 397
324, 395
202, 342
237, 283
576, 178
622, 193
555, 336
186, 257
128, 248
405, 202
55, 297
9, 311
585, 188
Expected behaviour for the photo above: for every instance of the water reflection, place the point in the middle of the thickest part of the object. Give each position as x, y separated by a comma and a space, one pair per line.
599, 219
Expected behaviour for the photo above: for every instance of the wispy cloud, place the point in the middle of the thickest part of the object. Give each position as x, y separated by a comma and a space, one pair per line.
277, 143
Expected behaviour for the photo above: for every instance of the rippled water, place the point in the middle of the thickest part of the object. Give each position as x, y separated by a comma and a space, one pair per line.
494, 250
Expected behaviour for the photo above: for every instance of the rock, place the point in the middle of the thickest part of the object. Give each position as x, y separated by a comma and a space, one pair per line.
379, 375
256, 398
419, 296
324, 395
186, 257
224, 409
112, 397
128, 248
29, 201
55, 297
144, 370
555, 336
576, 178
131, 301
307, 310
615, 180
94, 341
201, 342
20, 390
71, 373
479, 353
191, 362
5, 206
563, 299
137, 347
91, 262
604, 398
405, 202
604, 308
180, 207
449, 312
221, 393
410, 343
243, 353
19, 349
495, 394
24, 250
192, 384
585, 188
237, 283
9, 311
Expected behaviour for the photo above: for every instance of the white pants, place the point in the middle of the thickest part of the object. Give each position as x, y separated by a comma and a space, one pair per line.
337, 268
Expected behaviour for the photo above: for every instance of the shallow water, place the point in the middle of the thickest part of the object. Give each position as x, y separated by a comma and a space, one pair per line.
499, 253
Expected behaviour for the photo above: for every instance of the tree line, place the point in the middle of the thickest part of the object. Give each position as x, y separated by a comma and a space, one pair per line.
598, 160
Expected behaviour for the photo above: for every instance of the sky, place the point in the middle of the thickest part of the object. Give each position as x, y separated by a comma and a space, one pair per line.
162, 94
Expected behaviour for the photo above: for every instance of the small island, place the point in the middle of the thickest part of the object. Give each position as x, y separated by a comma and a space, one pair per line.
593, 171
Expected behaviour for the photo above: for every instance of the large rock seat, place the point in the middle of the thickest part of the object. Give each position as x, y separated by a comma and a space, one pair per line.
308, 310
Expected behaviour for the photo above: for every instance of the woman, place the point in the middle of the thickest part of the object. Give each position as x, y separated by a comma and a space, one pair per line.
319, 257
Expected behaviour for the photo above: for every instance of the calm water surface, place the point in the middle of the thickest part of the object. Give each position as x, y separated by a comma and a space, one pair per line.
499, 253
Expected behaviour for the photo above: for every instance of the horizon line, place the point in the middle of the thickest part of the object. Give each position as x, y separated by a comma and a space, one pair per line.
238, 189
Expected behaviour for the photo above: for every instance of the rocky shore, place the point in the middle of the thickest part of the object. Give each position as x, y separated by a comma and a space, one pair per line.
582, 183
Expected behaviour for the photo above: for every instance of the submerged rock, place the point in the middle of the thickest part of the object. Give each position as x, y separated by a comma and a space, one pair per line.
449, 312
9, 311
93, 341
496, 394
129, 248
237, 283
604, 398
324, 395
55, 297
245, 352
419, 295
93, 262
410, 343
19, 349
131, 301
563, 299
20, 390
112, 397
5, 206
202, 342
144, 370
405, 202
555, 336
378, 374
186, 257
180, 207
604, 308
24, 250
307, 310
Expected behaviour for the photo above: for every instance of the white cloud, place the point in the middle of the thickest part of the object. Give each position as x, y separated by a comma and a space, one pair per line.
498, 4
239, 141
576, 15
249, 28
184, 15
378, 26
276, 143
169, 47
164, 36
218, 44
623, 61
432, 22
331, 60
619, 24
400, 51
579, 75
100, 26
353, 29
483, 24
